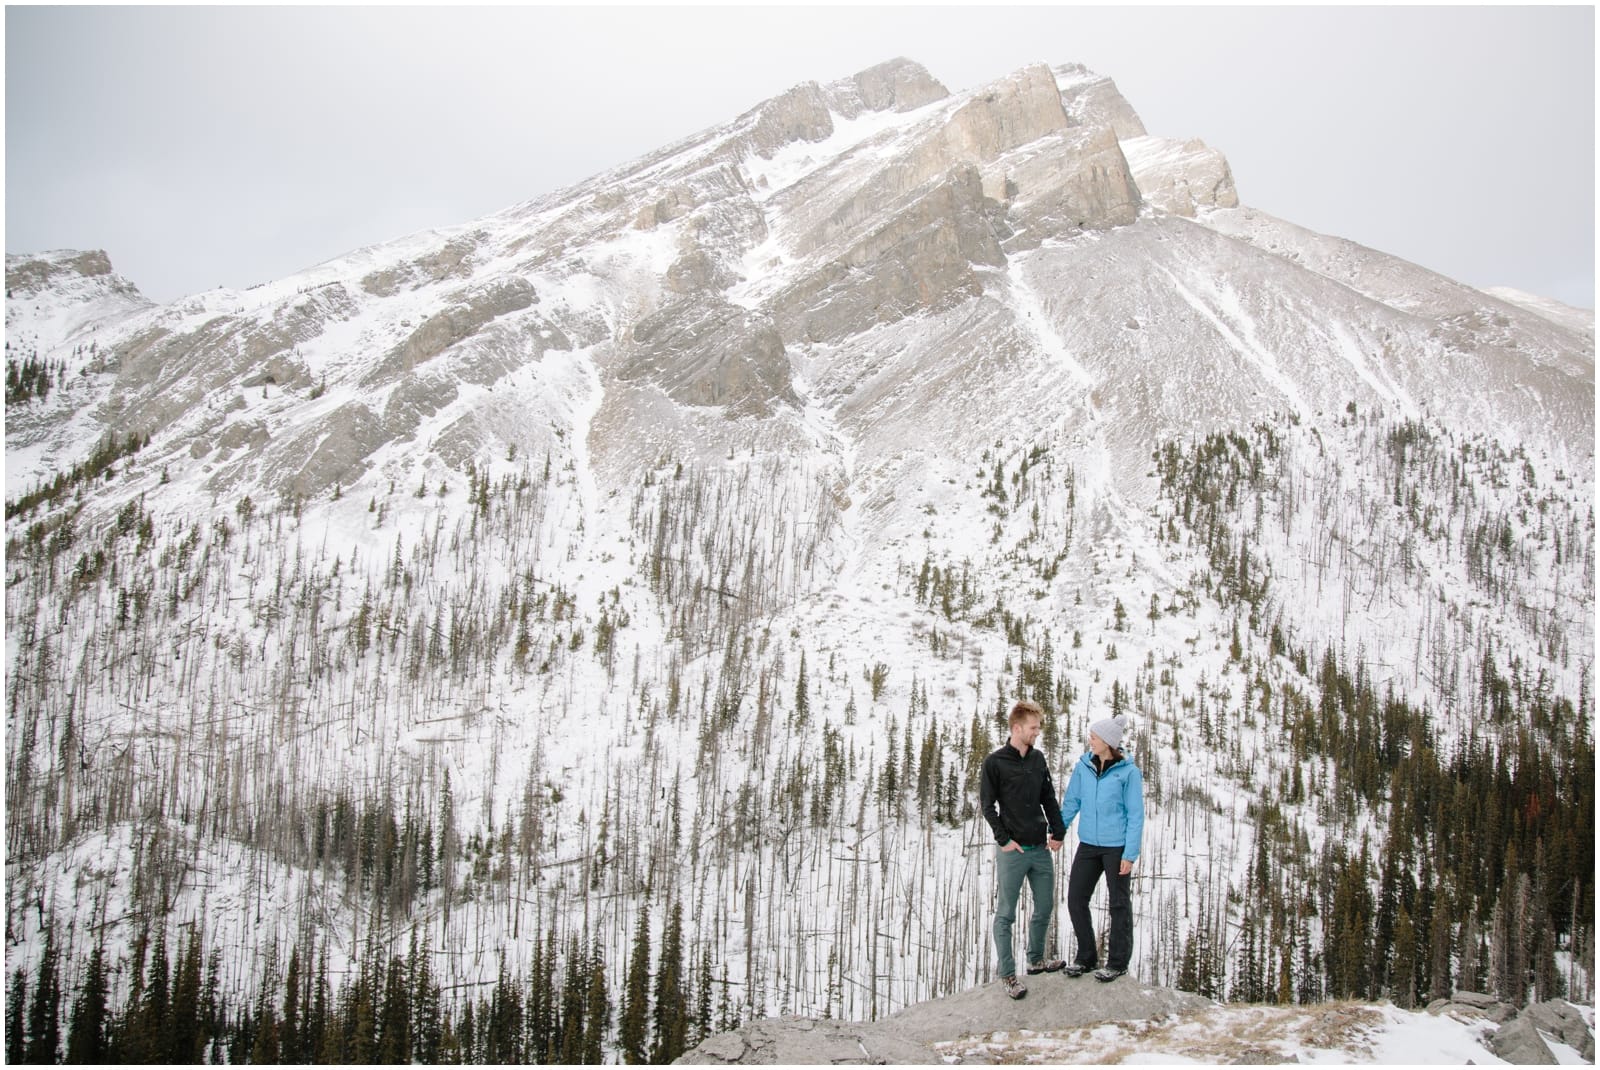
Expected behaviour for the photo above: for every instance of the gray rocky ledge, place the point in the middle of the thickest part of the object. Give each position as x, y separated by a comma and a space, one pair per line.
1053, 1002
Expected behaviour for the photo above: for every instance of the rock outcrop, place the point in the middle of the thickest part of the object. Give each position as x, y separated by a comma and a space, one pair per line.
1092, 99
705, 351
1180, 176
1053, 1002
919, 260
1520, 1037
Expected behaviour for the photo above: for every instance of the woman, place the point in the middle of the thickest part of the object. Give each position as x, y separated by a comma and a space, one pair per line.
1108, 791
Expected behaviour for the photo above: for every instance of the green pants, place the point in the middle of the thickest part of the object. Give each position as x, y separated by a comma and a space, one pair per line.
1038, 867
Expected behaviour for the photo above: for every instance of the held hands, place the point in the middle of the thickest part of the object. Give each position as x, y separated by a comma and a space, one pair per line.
1053, 843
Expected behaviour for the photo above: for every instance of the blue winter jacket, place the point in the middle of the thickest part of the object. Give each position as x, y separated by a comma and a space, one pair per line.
1112, 805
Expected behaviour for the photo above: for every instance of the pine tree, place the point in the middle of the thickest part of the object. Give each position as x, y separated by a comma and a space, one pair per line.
87, 1036
1403, 975
16, 1007
188, 1036
44, 1014
427, 1013
394, 1016
1439, 986
802, 696
671, 1003
633, 1028
1470, 979
574, 993
597, 1007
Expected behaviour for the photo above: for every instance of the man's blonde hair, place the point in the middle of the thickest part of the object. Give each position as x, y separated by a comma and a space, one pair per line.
1024, 709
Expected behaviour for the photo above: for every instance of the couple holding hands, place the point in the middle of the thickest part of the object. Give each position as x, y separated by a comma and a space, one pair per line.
1106, 795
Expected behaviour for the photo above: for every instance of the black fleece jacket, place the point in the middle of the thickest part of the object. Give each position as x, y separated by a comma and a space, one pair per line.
1018, 799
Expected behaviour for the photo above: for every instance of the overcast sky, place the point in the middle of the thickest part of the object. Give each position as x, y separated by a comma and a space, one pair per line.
227, 146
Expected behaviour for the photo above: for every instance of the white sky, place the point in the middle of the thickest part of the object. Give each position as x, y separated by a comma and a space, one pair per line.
227, 146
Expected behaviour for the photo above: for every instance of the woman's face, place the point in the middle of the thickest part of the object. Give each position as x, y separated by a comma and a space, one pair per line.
1098, 747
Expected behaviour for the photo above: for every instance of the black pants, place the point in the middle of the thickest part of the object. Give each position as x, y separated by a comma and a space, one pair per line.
1087, 865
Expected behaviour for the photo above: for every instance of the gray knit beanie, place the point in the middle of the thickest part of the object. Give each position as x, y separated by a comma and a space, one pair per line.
1110, 729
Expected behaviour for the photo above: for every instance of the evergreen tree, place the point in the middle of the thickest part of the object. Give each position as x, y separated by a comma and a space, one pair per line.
597, 1007
88, 1035
802, 696
1348, 936
1403, 976
16, 1007
394, 1015
671, 1002
1470, 979
188, 1036
634, 1025
1439, 984
44, 1014
574, 993
427, 1013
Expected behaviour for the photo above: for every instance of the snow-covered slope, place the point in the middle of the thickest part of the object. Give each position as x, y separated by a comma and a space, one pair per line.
672, 518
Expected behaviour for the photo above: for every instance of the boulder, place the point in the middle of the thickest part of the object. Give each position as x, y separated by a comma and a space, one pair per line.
1561, 1020
1520, 1042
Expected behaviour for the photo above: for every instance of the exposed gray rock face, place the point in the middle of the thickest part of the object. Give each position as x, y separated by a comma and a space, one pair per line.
28, 274
414, 400
162, 374
801, 114
1053, 1002
898, 85
836, 202
805, 113
1564, 1022
706, 351
246, 433
1180, 176
1093, 100
694, 270
452, 260
1519, 1042
920, 260
1067, 181
332, 452
447, 328
1008, 113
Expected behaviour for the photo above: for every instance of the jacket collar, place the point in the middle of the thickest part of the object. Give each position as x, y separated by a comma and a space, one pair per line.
1094, 765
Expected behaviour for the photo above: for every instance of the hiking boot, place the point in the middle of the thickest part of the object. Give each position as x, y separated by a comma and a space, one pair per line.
1047, 966
1072, 969
1108, 974
1014, 988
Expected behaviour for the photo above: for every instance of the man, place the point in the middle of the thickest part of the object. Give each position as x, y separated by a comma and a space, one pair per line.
1019, 802
1107, 791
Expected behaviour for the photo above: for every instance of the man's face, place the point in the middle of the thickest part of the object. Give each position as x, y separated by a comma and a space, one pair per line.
1025, 733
